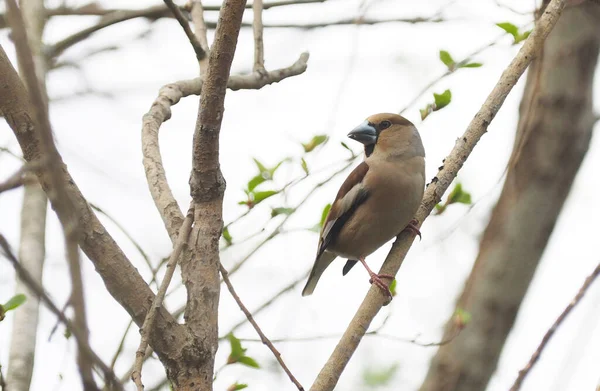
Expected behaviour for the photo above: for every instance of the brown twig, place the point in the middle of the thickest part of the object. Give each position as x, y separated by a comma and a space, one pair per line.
263, 337
259, 51
200, 53
538, 352
373, 302
267, 303
184, 232
109, 376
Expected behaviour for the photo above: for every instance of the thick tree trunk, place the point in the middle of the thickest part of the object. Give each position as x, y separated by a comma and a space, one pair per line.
32, 248
553, 135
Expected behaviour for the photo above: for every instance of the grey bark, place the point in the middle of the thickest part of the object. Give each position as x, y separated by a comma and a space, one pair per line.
553, 135
32, 248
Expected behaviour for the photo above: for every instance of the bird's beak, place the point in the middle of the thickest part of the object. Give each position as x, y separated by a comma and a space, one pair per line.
364, 133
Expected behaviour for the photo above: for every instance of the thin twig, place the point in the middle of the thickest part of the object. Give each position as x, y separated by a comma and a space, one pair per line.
267, 303
200, 53
184, 232
538, 352
109, 376
259, 52
263, 337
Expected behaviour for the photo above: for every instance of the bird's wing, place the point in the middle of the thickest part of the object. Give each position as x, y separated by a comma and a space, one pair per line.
352, 193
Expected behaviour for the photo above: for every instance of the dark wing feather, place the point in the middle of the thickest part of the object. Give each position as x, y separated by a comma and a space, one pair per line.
343, 207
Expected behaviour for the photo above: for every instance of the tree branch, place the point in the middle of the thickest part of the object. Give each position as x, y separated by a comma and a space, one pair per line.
136, 375
198, 49
82, 341
259, 50
122, 280
538, 352
262, 335
331, 372
197, 14
170, 95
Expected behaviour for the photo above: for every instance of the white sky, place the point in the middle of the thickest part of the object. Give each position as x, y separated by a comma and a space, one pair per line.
353, 72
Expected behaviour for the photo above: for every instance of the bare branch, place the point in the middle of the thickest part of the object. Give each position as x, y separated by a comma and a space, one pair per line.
355, 21
538, 352
200, 53
160, 112
82, 342
259, 51
136, 376
262, 335
329, 375
197, 13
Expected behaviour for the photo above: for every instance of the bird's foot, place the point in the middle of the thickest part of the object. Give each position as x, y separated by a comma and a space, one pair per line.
412, 226
377, 280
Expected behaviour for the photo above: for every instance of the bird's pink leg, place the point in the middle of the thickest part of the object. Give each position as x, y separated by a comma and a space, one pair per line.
376, 278
412, 226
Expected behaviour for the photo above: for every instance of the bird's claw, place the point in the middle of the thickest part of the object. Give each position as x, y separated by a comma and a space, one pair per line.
412, 226
376, 279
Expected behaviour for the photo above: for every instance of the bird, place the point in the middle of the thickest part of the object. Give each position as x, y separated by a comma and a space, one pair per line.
377, 201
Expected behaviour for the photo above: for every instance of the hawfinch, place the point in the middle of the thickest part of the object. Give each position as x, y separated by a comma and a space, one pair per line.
378, 199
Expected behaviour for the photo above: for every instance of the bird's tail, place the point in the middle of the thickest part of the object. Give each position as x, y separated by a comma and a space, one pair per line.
321, 264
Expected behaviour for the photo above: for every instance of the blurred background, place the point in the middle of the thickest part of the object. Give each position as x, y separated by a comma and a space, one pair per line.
534, 250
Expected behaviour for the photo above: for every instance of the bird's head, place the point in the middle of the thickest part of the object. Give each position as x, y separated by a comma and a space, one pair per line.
388, 134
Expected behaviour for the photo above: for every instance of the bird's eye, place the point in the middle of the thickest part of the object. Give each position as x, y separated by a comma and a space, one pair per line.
385, 125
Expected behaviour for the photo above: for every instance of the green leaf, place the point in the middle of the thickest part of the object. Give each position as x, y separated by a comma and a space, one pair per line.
314, 142
236, 386
304, 166
447, 59
261, 167
67, 333
227, 237
14, 302
509, 28
257, 180
237, 351
260, 196
393, 287
442, 100
458, 195
380, 377
324, 214
249, 362
343, 144
281, 211
472, 65
522, 37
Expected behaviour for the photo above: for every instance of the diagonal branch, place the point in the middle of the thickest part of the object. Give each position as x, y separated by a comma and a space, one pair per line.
109, 376
136, 375
197, 14
331, 372
262, 335
65, 209
121, 278
538, 352
200, 53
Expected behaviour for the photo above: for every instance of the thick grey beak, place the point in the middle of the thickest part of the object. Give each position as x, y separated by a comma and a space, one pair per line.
364, 133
